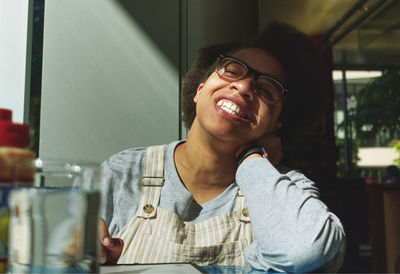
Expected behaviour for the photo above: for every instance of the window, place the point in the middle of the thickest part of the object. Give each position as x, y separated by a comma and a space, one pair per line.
366, 122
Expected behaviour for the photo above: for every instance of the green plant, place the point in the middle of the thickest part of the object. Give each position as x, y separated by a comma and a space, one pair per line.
378, 107
341, 162
396, 145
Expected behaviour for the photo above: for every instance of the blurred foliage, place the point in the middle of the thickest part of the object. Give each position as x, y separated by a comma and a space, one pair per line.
378, 107
340, 164
396, 145
374, 121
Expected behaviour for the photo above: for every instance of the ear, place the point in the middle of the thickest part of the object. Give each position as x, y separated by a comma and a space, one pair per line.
196, 97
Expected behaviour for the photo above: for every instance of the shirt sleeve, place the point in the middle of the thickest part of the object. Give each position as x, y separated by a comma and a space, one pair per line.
294, 231
106, 205
120, 188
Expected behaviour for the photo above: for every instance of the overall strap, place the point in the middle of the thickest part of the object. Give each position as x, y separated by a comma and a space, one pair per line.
152, 182
243, 212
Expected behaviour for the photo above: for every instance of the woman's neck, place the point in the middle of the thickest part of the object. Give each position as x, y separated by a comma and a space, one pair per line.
206, 167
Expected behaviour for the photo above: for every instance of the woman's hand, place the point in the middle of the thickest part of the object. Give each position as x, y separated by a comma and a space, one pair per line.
273, 146
110, 248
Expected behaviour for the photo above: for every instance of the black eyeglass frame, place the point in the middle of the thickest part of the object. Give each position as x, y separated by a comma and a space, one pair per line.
256, 74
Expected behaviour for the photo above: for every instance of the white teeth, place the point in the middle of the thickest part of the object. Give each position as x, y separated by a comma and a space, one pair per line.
229, 107
228, 110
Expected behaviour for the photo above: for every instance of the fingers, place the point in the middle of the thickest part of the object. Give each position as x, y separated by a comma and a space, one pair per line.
273, 145
111, 248
103, 230
103, 234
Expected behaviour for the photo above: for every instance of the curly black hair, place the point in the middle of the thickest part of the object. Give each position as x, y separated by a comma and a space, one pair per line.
299, 57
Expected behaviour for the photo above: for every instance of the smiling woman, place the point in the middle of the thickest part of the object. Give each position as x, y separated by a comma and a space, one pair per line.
296, 52
200, 200
260, 116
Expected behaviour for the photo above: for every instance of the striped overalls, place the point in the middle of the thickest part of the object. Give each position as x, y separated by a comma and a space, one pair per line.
155, 235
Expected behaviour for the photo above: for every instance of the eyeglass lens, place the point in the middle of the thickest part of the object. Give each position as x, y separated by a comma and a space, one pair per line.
232, 70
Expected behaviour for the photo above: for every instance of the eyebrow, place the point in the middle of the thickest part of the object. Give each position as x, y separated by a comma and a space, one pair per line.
283, 83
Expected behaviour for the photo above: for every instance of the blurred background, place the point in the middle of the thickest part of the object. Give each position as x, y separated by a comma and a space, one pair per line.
95, 77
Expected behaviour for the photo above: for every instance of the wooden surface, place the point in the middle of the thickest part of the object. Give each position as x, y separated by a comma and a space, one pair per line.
385, 228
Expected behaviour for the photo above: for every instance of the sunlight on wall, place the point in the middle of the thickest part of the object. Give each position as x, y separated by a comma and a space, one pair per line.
106, 85
13, 35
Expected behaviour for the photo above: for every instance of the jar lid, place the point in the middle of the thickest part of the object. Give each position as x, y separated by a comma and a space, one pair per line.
13, 134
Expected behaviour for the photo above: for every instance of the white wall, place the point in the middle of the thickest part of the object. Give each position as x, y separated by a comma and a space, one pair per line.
107, 84
13, 54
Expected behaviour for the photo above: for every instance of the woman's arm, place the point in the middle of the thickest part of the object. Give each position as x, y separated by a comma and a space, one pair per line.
120, 192
293, 230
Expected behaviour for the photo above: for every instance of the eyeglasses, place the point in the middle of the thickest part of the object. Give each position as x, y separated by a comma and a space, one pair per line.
232, 69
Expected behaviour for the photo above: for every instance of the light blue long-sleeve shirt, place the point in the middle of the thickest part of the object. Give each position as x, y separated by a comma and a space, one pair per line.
293, 230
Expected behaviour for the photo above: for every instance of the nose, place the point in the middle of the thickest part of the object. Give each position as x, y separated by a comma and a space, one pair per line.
245, 87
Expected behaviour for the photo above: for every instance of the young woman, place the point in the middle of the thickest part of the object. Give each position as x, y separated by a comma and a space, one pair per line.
216, 198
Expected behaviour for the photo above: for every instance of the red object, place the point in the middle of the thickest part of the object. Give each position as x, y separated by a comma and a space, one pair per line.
13, 134
369, 181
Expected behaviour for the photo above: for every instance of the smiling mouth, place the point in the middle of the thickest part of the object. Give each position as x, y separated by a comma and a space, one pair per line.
231, 108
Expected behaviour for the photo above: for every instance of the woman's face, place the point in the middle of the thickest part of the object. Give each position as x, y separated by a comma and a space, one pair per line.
232, 110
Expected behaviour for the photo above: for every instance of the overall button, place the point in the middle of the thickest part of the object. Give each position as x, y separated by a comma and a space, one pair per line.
245, 212
148, 208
